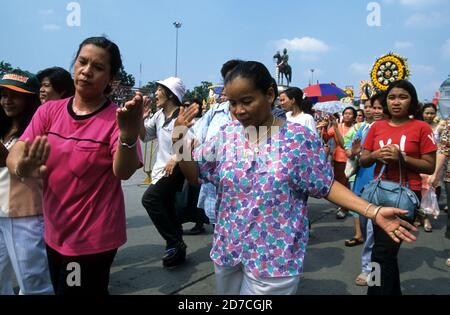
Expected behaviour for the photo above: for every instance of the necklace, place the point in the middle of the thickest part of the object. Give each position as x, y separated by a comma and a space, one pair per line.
253, 143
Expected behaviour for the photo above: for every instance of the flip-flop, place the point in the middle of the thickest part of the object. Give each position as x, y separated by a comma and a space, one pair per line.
353, 242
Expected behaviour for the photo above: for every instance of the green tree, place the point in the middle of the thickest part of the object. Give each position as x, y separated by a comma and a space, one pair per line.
201, 92
5, 67
125, 78
149, 88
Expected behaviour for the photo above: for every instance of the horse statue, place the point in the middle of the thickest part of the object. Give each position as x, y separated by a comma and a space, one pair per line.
283, 68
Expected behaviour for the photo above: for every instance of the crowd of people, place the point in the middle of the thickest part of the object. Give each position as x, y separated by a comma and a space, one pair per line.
247, 165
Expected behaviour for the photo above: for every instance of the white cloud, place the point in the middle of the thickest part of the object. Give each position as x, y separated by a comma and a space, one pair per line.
46, 12
51, 27
403, 45
427, 20
303, 45
446, 49
361, 68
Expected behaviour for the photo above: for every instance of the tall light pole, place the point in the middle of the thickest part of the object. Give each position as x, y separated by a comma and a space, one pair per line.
312, 76
177, 26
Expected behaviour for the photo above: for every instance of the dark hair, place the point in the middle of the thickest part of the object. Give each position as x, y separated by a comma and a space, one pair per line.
32, 103
196, 100
60, 79
352, 109
294, 93
228, 66
255, 72
303, 103
360, 110
408, 87
422, 108
307, 106
275, 89
429, 105
380, 98
111, 48
170, 95
200, 107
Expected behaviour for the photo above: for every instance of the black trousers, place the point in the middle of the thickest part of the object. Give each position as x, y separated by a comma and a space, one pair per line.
447, 188
159, 201
191, 213
385, 253
80, 275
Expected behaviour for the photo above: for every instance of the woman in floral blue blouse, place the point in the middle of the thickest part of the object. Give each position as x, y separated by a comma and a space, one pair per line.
264, 169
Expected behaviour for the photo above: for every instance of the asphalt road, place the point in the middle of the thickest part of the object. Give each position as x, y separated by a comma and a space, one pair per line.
330, 267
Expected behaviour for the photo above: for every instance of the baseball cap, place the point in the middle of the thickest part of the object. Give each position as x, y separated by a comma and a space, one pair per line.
175, 85
21, 81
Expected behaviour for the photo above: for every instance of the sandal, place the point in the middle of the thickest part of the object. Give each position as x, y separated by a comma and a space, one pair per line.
353, 242
340, 214
361, 279
427, 227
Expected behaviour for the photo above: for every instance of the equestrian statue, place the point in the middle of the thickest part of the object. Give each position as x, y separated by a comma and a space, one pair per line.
283, 67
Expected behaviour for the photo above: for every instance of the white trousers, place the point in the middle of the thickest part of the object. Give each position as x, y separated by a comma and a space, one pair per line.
22, 249
237, 281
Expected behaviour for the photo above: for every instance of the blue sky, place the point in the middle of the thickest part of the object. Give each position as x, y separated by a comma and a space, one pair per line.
330, 36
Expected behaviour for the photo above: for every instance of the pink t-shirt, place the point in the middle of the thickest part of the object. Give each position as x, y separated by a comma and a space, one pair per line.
84, 208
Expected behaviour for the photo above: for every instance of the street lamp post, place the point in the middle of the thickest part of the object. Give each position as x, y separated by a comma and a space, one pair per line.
177, 26
312, 76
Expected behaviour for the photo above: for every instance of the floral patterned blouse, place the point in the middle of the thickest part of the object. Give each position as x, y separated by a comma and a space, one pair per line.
261, 196
444, 147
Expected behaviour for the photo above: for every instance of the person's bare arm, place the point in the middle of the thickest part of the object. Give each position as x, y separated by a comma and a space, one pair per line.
386, 218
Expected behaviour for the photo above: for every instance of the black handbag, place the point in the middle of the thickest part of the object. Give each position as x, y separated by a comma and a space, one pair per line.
392, 194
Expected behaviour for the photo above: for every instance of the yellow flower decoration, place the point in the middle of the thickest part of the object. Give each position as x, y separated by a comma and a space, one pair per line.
387, 69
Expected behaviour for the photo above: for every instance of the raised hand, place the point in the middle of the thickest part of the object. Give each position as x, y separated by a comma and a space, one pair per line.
32, 161
398, 229
322, 124
334, 122
146, 104
356, 146
184, 121
129, 118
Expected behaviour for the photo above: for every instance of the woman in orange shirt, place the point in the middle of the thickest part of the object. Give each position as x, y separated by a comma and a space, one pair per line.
338, 132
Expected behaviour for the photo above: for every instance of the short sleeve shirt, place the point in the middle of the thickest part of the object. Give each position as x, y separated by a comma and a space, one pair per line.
414, 138
261, 197
84, 211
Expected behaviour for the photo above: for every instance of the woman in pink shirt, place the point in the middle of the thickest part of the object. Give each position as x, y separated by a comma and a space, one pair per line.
94, 145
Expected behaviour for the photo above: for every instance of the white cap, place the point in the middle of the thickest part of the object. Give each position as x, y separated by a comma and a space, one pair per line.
175, 85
